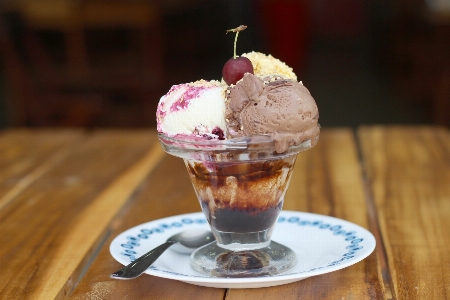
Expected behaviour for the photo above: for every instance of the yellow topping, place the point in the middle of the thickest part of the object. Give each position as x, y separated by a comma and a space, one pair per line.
206, 83
265, 65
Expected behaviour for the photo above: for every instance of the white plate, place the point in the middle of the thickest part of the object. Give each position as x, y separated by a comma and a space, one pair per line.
322, 244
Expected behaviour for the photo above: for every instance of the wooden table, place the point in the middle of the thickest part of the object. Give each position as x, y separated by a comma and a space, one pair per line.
65, 194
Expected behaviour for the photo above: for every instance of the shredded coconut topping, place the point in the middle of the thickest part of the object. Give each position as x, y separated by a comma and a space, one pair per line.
264, 65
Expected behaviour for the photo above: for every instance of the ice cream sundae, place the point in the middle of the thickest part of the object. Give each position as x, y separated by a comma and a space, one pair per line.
239, 138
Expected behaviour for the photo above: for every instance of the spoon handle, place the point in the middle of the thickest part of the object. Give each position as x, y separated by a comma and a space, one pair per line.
138, 266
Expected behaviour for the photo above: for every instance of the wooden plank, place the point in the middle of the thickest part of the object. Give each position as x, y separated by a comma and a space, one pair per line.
166, 192
409, 173
327, 180
52, 227
27, 154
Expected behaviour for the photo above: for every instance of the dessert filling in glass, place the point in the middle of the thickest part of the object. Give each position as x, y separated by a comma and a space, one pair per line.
241, 200
240, 184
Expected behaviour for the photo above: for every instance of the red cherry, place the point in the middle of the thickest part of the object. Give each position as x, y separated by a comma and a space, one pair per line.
235, 68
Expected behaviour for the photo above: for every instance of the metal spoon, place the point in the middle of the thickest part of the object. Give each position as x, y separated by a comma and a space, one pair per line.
187, 241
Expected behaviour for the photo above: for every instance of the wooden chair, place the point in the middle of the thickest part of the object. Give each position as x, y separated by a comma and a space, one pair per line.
39, 98
135, 74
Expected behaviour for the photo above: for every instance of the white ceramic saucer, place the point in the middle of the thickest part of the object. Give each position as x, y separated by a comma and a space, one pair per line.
322, 244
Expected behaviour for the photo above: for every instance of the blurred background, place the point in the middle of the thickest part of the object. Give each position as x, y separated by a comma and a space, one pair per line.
106, 63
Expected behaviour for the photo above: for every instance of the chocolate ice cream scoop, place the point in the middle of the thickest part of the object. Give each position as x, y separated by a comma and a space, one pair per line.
281, 108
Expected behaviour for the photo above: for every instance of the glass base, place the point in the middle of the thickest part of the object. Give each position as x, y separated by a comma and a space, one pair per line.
243, 241
212, 260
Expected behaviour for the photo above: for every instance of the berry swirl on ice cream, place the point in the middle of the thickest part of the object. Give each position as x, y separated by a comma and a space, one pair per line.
193, 110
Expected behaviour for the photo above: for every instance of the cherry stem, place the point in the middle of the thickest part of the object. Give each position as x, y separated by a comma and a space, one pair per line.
237, 30
235, 42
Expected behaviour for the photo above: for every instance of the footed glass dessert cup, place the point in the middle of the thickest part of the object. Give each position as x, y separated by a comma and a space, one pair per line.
240, 184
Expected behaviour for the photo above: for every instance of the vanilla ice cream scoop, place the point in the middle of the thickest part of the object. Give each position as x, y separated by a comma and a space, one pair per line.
193, 109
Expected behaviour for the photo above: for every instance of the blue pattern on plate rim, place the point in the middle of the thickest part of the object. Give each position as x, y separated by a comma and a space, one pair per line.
350, 236
133, 241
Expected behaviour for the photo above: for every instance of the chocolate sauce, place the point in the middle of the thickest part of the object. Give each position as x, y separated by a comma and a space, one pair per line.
250, 203
237, 220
